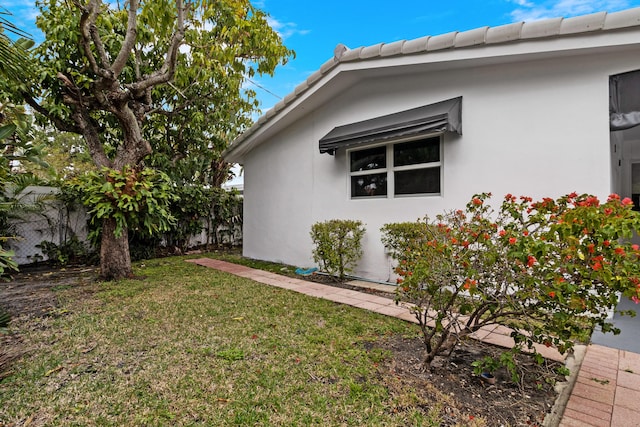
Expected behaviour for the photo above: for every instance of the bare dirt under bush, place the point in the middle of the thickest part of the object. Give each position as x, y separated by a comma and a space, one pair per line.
503, 404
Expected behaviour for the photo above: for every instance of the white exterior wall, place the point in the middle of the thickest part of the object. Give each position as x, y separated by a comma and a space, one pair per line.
537, 128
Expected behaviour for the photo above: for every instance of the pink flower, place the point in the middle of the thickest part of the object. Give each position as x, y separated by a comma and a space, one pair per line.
627, 201
635, 299
531, 260
476, 201
502, 233
512, 240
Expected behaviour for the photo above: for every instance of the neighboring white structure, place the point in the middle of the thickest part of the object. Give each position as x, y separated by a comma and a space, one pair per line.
522, 108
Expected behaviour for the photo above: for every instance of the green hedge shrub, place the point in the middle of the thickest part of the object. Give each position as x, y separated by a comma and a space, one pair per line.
337, 245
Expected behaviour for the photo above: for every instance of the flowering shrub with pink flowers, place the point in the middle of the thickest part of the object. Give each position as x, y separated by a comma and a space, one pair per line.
550, 269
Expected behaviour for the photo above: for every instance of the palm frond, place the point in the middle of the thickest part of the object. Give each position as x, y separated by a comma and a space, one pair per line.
14, 57
9, 26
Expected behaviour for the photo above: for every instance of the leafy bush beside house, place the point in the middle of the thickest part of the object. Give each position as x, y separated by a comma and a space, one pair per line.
549, 269
204, 216
338, 246
224, 223
401, 237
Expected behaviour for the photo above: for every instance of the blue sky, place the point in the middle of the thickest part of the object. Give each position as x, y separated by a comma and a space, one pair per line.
314, 28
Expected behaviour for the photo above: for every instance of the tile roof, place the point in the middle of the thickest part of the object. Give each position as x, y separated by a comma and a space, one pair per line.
509, 33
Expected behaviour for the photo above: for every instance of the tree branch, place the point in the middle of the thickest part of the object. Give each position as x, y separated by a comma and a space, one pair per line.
58, 122
92, 138
135, 147
166, 72
88, 31
129, 39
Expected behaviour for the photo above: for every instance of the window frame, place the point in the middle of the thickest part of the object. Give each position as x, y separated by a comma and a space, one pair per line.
391, 169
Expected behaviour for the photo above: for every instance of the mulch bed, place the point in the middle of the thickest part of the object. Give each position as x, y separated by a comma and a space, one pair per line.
467, 397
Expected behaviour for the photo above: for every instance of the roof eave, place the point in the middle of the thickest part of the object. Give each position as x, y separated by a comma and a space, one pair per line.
474, 45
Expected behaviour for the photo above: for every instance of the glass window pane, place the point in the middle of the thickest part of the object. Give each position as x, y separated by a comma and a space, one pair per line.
417, 181
369, 185
414, 152
373, 158
635, 185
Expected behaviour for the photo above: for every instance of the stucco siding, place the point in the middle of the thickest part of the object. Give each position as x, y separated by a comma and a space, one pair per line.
538, 128
277, 192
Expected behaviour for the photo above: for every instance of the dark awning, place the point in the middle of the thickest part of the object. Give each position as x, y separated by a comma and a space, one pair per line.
445, 116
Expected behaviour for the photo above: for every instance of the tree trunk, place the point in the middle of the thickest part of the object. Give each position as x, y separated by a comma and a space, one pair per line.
115, 260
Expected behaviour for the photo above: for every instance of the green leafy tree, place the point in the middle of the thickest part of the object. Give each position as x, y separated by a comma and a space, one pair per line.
224, 222
124, 77
551, 270
65, 153
136, 200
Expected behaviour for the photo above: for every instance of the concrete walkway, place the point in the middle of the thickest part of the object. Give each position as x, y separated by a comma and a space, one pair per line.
606, 391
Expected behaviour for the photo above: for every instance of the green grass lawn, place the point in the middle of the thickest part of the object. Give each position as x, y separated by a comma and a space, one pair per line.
188, 345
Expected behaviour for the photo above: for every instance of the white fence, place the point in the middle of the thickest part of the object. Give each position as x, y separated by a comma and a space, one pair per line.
58, 224
54, 224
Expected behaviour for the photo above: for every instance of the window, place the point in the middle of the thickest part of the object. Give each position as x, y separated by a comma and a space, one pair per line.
400, 169
635, 185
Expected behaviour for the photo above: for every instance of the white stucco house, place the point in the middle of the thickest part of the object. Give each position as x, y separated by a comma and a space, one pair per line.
392, 132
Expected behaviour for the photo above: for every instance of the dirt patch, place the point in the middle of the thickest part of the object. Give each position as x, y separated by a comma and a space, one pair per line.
33, 293
465, 398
